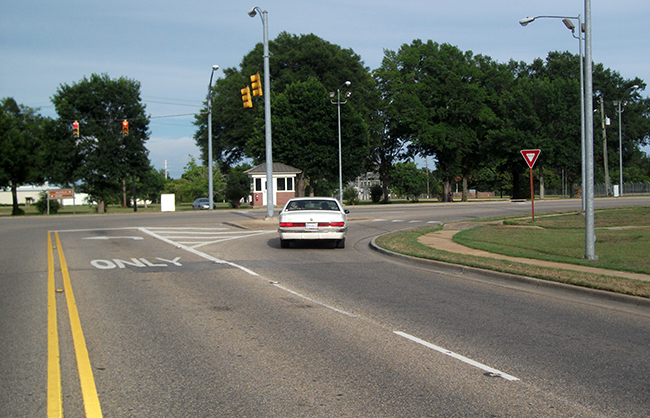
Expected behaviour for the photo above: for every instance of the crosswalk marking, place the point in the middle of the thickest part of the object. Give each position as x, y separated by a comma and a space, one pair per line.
198, 237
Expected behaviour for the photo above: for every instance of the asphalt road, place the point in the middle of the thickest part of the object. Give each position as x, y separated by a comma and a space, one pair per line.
185, 315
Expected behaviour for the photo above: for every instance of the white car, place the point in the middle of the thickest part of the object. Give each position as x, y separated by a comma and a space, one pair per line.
313, 218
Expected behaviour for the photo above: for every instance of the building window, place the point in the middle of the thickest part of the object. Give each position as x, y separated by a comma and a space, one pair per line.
290, 184
258, 185
281, 184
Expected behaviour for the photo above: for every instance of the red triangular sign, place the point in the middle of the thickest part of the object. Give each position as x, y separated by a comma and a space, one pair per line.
530, 155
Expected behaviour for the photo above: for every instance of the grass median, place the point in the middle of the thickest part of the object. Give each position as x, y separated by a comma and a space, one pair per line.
623, 243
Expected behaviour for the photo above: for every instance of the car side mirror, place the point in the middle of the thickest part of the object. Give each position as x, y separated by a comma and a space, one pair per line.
347, 211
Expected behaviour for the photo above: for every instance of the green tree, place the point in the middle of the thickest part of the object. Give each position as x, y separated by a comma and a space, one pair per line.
408, 180
306, 136
108, 157
298, 64
20, 142
442, 100
194, 183
237, 185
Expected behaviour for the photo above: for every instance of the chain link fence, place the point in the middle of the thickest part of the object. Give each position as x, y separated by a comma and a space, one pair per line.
601, 191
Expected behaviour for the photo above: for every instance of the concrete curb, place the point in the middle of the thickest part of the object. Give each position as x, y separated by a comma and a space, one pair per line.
473, 273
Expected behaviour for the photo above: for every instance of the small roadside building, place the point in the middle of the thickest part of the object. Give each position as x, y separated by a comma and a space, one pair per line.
284, 184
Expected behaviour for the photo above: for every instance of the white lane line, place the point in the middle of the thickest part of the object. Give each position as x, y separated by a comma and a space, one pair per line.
397, 220
104, 237
199, 253
379, 220
434, 222
312, 300
414, 222
457, 356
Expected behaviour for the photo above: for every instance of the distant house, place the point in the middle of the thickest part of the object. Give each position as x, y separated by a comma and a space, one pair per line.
284, 184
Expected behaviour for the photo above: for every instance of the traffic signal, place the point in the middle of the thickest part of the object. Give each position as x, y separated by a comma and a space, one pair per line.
246, 97
125, 127
75, 129
256, 84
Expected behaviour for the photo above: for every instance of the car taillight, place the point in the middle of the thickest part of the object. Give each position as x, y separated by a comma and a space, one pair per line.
337, 223
292, 224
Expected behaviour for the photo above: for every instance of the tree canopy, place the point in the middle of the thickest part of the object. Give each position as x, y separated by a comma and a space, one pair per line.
102, 156
20, 142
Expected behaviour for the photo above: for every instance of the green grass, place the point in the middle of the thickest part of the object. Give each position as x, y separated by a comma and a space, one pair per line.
559, 237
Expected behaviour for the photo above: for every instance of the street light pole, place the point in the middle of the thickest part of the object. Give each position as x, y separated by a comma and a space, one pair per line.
587, 116
590, 233
567, 22
267, 111
620, 138
210, 185
338, 103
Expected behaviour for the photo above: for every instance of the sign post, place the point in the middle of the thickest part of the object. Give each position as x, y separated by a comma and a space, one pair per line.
530, 155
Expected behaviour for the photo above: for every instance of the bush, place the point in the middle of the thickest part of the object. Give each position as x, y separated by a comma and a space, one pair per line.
350, 196
41, 204
376, 193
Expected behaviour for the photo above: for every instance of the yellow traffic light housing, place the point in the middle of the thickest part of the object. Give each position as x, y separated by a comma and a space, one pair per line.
246, 97
256, 84
125, 127
75, 129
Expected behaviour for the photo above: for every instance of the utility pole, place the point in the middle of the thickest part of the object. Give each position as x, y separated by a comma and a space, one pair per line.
602, 114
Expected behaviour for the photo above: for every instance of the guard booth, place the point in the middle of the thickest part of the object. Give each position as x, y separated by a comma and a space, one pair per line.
284, 184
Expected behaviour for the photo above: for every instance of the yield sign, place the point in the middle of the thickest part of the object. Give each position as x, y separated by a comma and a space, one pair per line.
530, 155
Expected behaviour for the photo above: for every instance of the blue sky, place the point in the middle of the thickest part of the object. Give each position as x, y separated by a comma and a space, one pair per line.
170, 46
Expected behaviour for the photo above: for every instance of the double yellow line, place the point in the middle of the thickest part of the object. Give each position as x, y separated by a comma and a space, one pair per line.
86, 379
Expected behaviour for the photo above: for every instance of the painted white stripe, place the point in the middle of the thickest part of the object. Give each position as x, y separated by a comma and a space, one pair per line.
379, 220
414, 222
199, 253
314, 301
434, 222
398, 220
104, 237
457, 356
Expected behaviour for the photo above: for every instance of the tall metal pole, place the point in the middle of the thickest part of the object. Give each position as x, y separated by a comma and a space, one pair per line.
525, 22
583, 144
590, 236
210, 185
620, 150
338, 103
264, 15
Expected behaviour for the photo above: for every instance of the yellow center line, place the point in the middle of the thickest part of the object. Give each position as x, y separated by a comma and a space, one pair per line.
86, 379
54, 399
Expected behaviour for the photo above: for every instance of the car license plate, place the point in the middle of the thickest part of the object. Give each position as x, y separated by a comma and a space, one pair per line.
311, 226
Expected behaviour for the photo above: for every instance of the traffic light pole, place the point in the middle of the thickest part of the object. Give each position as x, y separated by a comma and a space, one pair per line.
267, 111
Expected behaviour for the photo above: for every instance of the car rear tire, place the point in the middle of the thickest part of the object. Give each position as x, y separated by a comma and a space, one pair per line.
340, 243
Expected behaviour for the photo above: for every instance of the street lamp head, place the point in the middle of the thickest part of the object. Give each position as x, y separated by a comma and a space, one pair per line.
635, 87
347, 84
526, 21
569, 24
348, 94
215, 67
332, 94
253, 12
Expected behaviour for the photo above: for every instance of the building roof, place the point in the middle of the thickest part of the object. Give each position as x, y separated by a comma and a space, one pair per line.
278, 168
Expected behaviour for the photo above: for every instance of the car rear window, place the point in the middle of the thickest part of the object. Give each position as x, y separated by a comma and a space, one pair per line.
315, 204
